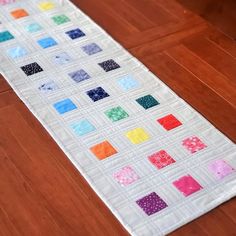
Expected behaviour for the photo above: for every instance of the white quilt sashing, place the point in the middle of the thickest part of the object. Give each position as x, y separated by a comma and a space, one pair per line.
154, 161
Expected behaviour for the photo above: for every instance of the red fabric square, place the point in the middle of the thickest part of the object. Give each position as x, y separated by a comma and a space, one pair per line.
169, 122
161, 159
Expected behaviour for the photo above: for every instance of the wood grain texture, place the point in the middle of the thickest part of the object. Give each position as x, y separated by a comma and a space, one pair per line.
41, 193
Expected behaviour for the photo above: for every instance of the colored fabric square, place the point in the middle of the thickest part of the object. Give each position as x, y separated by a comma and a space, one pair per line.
33, 27
83, 127
137, 136
62, 58
161, 159
116, 113
187, 185
16, 52
5, 35
127, 83
60, 19
19, 13
97, 94
147, 101
47, 42
91, 48
193, 144
4, 2
220, 169
64, 106
169, 122
45, 6
151, 203
109, 65
103, 150
76, 33
32, 68
125, 176
48, 87
79, 75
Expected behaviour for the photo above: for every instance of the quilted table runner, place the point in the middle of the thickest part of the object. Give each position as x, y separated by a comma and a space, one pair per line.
154, 161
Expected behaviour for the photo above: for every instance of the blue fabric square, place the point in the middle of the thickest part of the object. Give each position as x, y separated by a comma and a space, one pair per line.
62, 58
48, 86
91, 48
47, 42
16, 52
76, 33
33, 27
6, 35
79, 75
128, 82
109, 65
97, 94
83, 127
64, 106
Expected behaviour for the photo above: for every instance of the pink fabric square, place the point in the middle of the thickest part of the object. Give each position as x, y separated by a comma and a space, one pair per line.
125, 176
3, 2
187, 185
161, 159
220, 168
193, 144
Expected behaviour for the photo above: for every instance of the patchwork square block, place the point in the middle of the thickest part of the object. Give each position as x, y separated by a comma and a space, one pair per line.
187, 185
62, 58
137, 136
103, 150
147, 101
33, 27
32, 68
75, 33
127, 83
79, 75
109, 65
48, 87
220, 169
4, 2
82, 127
161, 159
97, 94
125, 176
16, 52
193, 144
116, 113
169, 122
5, 35
47, 42
19, 13
60, 19
151, 203
64, 106
91, 49
45, 6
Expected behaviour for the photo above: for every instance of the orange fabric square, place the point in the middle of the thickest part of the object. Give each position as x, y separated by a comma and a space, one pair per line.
103, 150
19, 13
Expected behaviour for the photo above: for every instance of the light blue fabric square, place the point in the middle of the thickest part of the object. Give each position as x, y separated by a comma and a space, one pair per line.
47, 42
128, 82
62, 58
64, 106
83, 127
34, 27
48, 87
16, 52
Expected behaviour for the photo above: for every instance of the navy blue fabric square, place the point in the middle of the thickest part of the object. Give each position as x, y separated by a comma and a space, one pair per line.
109, 65
79, 75
32, 68
76, 33
97, 94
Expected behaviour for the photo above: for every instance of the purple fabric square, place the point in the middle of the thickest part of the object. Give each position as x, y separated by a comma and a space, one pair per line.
109, 65
79, 75
151, 203
97, 94
91, 48
75, 33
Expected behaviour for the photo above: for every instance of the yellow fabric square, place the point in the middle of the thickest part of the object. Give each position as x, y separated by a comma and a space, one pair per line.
44, 6
137, 135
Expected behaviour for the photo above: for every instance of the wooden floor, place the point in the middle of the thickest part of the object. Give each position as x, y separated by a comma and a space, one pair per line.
41, 193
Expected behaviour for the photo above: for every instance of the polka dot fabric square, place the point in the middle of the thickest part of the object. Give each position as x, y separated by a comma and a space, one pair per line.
5, 36
109, 65
19, 13
151, 204
91, 49
137, 136
75, 33
64, 106
82, 127
47, 42
79, 75
116, 113
193, 144
169, 122
17, 52
147, 101
127, 83
32, 68
60, 19
97, 94
103, 150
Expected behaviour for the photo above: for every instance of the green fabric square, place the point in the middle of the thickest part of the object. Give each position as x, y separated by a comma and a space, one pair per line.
116, 113
147, 101
61, 19
6, 35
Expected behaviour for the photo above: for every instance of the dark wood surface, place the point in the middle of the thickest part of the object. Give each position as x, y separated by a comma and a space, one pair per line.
41, 193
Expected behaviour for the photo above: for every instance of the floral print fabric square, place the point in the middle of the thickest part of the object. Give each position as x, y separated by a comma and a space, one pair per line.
16, 52
33, 27
64, 106
19, 13
125, 176
127, 83
103, 150
6, 35
193, 144
161, 159
169, 122
47, 42
83, 127
48, 87
187, 185
91, 49
97, 94
76, 33
137, 136
220, 169
109, 65
151, 203
116, 113
62, 58
147, 101
61, 19
32, 68
79, 75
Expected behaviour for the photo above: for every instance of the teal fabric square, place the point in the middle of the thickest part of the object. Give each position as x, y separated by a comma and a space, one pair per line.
147, 101
127, 83
34, 27
47, 42
64, 106
6, 35
16, 52
83, 127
